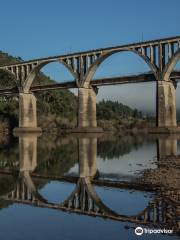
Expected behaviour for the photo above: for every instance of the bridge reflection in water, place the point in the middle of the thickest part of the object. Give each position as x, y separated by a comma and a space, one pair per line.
162, 211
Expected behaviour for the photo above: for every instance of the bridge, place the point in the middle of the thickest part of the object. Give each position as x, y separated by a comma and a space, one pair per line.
161, 55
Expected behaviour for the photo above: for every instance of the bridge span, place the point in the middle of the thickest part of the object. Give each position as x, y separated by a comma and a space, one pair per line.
161, 55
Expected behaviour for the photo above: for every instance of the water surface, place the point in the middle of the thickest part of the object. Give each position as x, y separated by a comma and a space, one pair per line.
88, 187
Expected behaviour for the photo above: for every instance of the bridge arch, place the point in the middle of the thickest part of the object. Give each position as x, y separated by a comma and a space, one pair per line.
89, 203
23, 182
89, 75
170, 65
31, 77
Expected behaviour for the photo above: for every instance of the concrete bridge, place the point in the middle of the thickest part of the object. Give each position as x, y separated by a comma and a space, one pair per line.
161, 55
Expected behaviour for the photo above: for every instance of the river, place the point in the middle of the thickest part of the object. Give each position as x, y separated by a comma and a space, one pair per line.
89, 186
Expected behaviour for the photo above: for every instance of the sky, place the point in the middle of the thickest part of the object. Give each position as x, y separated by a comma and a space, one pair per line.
42, 28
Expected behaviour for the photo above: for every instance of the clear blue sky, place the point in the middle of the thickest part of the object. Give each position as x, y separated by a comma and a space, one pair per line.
39, 28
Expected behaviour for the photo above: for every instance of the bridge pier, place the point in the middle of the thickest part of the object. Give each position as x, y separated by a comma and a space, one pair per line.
87, 157
87, 111
27, 114
166, 104
166, 147
27, 151
166, 121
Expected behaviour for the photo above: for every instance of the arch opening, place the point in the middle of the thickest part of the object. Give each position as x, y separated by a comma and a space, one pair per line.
90, 74
56, 192
52, 73
135, 100
124, 202
56, 108
121, 64
171, 65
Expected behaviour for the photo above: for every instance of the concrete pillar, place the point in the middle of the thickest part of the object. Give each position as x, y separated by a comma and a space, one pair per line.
86, 107
87, 157
27, 161
166, 147
87, 111
27, 152
27, 113
27, 110
166, 104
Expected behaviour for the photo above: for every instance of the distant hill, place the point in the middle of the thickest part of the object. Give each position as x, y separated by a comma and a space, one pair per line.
109, 110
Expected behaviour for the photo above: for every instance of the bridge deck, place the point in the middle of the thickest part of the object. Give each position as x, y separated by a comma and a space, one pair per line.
99, 50
97, 182
145, 77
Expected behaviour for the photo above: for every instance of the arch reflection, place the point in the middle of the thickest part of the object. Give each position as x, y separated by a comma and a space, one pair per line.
162, 211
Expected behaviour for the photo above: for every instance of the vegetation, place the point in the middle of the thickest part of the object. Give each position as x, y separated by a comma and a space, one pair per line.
111, 147
109, 110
